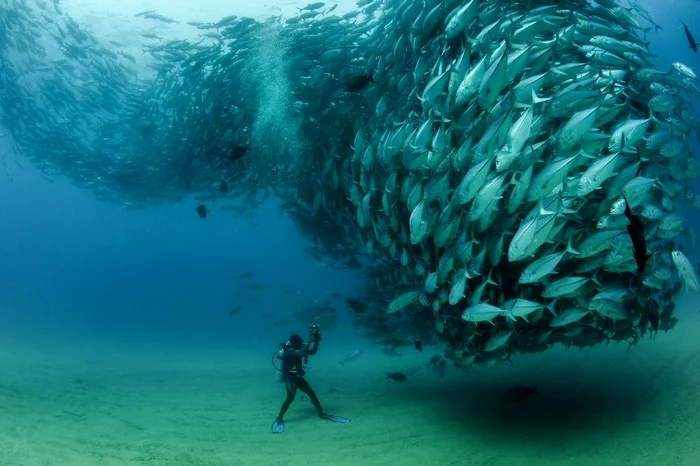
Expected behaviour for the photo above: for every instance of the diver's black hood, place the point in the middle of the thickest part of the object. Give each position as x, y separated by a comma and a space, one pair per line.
296, 341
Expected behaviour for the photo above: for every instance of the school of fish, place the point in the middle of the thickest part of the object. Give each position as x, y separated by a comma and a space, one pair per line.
507, 175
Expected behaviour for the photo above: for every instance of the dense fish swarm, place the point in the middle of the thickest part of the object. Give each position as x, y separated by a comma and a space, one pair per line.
509, 173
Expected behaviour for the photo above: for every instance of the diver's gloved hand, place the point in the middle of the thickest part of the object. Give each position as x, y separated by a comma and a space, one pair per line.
315, 336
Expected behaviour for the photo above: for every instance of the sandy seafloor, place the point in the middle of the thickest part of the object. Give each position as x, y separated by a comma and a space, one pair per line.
103, 403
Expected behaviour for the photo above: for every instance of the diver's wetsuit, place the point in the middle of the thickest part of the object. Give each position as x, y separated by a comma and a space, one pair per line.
293, 375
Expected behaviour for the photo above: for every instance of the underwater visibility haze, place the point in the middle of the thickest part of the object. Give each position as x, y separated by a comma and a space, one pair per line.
374, 232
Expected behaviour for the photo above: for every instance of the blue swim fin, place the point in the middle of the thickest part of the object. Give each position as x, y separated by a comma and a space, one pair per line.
278, 426
331, 417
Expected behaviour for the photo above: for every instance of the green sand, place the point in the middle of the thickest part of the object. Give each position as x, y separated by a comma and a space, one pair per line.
104, 404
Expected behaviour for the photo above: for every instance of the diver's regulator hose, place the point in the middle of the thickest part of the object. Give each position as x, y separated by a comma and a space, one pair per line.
273, 360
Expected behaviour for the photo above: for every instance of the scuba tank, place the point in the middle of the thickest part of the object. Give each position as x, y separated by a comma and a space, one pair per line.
279, 352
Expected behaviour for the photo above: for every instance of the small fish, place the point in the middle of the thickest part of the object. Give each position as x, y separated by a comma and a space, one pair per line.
391, 342
691, 41
234, 311
418, 345
355, 305
147, 130
391, 352
434, 360
158, 18
397, 376
245, 275
314, 255
144, 13
519, 393
689, 278
202, 211
442, 368
636, 232
685, 70
237, 152
223, 187
257, 287
312, 6
351, 356
359, 82
652, 317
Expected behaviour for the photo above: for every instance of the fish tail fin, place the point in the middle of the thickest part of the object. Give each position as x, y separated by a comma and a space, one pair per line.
661, 185
642, 159
585, 154
513, 179
594, 278
550, 307
489, 280
570, 249
538, 100
653, 117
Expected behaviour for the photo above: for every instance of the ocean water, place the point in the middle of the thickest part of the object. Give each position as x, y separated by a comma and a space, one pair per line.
145, 336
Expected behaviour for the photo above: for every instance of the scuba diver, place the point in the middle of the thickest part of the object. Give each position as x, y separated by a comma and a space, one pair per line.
292, 354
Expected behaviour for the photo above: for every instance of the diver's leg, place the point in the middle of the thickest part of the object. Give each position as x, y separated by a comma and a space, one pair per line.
306, 388
291, 393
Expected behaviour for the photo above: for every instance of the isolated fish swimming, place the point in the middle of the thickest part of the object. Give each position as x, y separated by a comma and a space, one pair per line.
686, 271
358, 82
351, 356
355, 304
519, 393
691, 41
397, 376
636, 232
